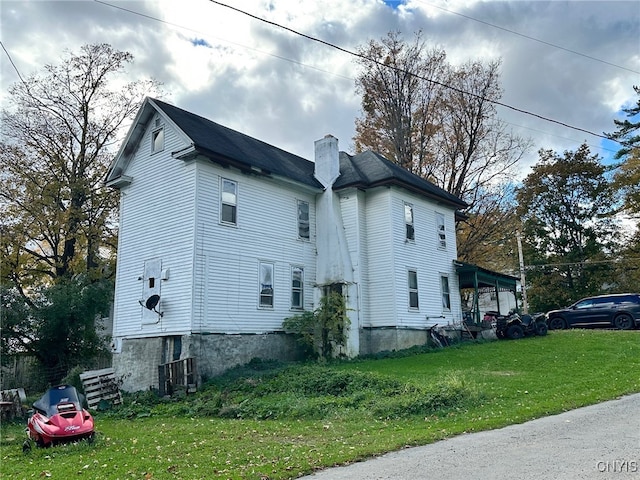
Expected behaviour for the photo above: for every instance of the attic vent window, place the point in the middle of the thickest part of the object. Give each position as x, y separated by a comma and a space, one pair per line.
442, 235
408, 220
157, 140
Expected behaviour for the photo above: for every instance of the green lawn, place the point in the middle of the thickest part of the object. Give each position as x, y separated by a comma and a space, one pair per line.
312, 417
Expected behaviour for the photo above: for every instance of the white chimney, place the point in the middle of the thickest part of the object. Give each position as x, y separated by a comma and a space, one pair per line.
327, 159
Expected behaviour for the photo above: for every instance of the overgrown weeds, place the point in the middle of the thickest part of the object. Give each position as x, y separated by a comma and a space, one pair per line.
314, 416
271, 390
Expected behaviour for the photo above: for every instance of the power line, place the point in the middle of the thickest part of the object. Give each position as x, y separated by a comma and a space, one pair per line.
584, 263
364, 57
13, 64
182, 27
529, 37
349, 52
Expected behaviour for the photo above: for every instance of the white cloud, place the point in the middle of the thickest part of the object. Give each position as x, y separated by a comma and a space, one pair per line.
289, 91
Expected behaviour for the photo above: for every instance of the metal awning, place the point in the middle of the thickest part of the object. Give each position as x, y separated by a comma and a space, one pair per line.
473, 276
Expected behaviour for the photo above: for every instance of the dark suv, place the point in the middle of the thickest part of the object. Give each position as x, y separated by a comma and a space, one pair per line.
621, 311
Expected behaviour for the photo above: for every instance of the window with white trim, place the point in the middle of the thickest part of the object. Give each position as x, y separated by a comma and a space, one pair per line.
265, 286
303, 220
442, 234
157, 140
297, 288
412, 282
228, 201
408, 221
446, 296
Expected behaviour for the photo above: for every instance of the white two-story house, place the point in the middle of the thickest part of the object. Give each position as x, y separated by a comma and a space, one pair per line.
223, 236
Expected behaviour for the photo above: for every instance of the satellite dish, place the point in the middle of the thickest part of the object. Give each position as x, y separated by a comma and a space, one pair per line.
152, 303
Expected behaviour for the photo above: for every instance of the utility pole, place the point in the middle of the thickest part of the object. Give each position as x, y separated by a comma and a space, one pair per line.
523, 282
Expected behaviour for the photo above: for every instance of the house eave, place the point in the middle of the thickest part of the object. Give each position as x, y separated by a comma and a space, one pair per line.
395, 183
119, 182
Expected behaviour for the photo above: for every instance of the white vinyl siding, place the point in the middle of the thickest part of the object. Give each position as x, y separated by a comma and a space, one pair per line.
391, 256
380, 244
144, 233
226, 298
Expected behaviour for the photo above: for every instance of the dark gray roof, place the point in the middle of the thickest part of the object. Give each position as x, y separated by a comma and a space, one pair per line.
369, 169
230, 147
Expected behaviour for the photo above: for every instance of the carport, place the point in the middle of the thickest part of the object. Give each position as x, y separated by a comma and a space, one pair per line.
479, 280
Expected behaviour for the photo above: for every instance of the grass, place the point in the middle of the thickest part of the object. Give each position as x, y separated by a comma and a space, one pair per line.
287, 421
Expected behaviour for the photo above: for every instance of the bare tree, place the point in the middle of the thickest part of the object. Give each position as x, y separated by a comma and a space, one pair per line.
440, 122
475, 151
399, 88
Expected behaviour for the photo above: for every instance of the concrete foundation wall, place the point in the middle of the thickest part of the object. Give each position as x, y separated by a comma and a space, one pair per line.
217, 353
374, 340
137, 364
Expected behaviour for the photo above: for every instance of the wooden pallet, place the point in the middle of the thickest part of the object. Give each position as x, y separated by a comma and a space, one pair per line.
100, 385
178, 374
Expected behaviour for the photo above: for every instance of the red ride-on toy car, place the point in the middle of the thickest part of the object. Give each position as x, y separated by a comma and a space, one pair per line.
59, 417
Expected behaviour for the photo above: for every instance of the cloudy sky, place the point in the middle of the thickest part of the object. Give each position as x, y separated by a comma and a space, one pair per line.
573, 62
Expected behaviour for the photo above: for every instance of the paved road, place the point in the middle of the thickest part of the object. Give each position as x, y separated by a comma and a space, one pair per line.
599, 442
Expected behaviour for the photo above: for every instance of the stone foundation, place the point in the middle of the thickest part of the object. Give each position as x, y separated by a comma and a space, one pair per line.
137, 363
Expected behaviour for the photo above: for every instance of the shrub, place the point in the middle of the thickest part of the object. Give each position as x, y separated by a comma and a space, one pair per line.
321, 332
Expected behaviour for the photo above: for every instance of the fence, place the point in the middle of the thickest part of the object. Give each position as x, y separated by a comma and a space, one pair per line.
24, 371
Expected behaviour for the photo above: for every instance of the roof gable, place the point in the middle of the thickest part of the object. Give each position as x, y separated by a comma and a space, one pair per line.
369, 169
228, 146
231, 148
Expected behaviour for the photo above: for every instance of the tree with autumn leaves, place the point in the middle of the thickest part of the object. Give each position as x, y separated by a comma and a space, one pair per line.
440, 122
58, 221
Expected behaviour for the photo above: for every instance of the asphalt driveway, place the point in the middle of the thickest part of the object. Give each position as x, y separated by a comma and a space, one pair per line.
598, 442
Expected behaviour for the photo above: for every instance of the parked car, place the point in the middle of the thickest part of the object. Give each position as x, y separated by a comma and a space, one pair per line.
620, 311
